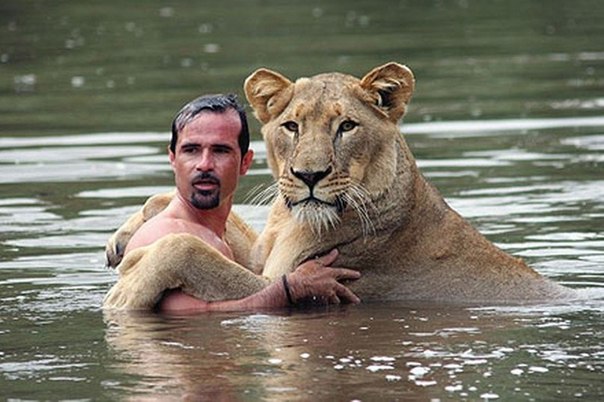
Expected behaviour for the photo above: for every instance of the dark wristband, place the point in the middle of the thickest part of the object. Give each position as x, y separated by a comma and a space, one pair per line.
287, 291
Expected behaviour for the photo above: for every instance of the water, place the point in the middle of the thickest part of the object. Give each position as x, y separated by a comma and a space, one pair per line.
507, 122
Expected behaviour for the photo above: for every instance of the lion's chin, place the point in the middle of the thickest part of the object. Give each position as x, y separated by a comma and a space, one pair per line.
319, 216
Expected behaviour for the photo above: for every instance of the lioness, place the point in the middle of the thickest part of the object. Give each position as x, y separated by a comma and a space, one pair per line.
347, 179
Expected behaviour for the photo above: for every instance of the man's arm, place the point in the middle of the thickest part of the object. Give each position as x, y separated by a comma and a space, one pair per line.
313, 281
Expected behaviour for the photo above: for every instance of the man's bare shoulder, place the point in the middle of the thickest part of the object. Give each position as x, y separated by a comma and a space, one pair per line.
166, 223
156, 228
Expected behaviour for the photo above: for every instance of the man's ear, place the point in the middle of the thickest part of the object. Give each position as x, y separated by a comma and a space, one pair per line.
268, 92
390, 86
171, 155
246, 162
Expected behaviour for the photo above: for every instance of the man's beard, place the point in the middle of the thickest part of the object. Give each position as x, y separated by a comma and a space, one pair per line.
206, 199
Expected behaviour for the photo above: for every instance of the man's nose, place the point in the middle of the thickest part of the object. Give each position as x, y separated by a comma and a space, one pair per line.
205, 163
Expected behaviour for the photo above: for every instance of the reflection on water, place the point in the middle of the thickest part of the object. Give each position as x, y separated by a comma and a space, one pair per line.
397, 351
507, 122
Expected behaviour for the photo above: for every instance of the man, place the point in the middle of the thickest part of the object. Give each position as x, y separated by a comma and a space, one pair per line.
208, 153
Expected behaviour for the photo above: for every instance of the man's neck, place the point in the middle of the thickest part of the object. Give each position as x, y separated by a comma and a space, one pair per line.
213, 219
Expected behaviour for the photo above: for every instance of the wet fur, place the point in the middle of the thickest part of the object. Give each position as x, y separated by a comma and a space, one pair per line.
398, 231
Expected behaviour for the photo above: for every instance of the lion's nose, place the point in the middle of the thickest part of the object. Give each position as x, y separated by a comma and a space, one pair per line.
310, 178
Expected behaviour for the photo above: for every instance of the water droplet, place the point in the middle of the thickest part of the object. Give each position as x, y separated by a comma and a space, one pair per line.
454, 388
419, 371
425, 383
166, 12
377, 367
211, 48
186, 62
77, 81
205, 28
537, 369
25, 83
382, 359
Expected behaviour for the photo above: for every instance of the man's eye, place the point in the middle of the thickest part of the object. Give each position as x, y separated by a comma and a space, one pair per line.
291, 126
188, 150
347, 125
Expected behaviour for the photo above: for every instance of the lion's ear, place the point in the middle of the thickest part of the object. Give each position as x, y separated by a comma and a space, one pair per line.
268, 92
391, 87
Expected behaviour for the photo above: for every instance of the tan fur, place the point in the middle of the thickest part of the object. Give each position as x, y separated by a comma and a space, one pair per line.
147, 272
404, 238
238, 235
179, 261
370, 201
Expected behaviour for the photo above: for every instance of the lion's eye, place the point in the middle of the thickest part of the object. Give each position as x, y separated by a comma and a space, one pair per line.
347, 125
291, 126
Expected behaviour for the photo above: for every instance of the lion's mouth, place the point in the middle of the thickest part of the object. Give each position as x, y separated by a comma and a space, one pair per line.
320, 215
339, 203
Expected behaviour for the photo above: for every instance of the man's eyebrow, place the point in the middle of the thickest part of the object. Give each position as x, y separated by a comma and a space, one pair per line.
189, 145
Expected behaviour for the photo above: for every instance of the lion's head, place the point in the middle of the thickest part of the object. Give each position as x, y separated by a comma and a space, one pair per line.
331, 139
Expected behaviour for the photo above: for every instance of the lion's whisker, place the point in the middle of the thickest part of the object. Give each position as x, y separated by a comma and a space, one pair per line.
260, 195
319, 221
358, 199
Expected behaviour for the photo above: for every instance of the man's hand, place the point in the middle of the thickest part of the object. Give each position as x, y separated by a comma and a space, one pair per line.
316, 282
313, 282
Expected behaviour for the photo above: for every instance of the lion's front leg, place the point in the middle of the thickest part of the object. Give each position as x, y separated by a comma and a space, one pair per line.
239, 235
114, 250
283, 244
179, 261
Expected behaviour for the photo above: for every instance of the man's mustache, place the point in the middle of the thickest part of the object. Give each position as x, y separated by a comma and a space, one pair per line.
206, 177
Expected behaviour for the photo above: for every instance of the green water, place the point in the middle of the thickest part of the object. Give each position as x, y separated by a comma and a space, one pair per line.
105, 66
507, 121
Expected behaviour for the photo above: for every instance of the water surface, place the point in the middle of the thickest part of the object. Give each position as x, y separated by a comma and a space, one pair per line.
507, 122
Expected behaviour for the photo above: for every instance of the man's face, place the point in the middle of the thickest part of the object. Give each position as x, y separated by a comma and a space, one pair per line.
208, 162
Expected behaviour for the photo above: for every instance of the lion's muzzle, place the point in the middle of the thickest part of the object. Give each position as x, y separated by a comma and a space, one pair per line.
311, 178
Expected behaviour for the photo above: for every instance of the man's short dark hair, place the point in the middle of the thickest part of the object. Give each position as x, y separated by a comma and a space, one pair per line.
214, 103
